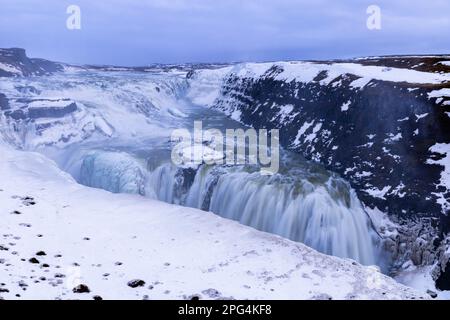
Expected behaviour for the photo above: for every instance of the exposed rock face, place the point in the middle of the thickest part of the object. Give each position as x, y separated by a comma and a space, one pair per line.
52, 112
42, 108
384, 129
4, 103
441, 271
382, 123
14, 62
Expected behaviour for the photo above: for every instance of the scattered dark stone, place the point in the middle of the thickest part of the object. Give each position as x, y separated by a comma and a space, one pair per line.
58, 255
39, 235
106, 275
86, 238
212, 293
82, 288
97, 298
4, 290
45, 265
42, 278
34, 260
59, 275
3, 248
28, 201
194, 297
432, 294
41, 253
28, 225
16, 212
167, 264
118, 263
75, 264
136, 283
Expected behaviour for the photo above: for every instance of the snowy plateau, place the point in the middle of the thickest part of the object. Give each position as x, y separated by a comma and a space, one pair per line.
93, 208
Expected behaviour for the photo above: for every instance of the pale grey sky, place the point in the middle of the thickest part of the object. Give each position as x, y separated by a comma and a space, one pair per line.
140, 32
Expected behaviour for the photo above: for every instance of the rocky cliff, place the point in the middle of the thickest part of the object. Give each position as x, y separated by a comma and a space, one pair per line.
381, 123
14, 63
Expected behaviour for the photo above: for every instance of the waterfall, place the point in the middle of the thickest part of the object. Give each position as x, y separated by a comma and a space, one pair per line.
324, 214
327, 217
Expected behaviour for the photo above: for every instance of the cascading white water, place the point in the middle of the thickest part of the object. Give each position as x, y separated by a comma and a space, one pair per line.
324, 215
327, 217
117, 112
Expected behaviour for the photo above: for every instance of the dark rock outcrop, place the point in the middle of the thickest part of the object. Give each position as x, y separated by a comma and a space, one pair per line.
51, 112
15, 63
4, 103
82, 288
16, 114
136, 283
32, 109
389, 138
379, 136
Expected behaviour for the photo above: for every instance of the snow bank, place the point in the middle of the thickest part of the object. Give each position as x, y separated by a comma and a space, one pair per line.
307, 71
77, 235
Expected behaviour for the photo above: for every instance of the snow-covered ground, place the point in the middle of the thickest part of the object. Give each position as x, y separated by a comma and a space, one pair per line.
77, 235
421, 279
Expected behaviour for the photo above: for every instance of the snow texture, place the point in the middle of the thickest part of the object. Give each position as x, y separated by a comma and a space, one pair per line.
57, 235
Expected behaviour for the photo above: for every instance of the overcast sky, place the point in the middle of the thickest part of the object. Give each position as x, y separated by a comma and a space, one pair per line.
141, 32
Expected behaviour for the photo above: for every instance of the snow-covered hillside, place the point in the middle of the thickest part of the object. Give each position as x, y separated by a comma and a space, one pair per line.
15, 63
57, 235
